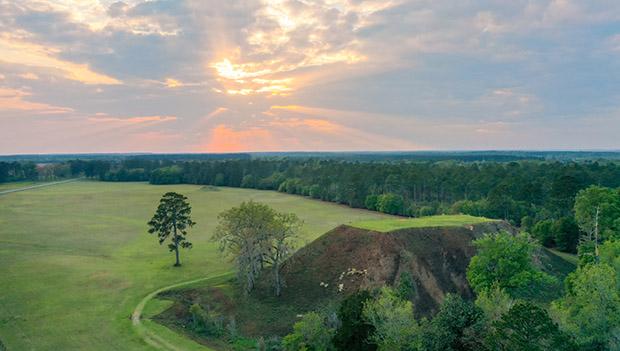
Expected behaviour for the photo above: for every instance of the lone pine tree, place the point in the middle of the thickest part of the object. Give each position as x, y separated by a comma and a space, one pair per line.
171, 221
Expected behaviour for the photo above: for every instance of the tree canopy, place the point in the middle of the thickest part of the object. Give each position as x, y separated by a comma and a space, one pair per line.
255, 235
505, 261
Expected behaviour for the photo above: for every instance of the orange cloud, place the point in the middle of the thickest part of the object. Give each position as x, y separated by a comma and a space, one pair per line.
13, 99
218, 111
132, 120
17, 51
319, 125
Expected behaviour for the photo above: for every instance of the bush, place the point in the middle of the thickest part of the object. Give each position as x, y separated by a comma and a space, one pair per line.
310, 333
390, 203
459, 325
354, 331
371, 202
205, 321
543, 232
395, 327
248, 181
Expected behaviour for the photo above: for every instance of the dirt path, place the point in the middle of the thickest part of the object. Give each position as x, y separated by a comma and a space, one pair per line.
4, 192
149, 336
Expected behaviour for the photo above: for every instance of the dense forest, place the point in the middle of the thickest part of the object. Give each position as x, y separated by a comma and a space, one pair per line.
536, 195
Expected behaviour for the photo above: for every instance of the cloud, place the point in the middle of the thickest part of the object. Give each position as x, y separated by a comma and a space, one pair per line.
218, 111
18, 51
17, 100
132, 120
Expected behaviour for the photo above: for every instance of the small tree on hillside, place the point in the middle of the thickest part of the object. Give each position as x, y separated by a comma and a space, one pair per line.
172, 219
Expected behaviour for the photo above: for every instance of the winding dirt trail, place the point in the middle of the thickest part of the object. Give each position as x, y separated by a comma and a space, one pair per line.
149, 336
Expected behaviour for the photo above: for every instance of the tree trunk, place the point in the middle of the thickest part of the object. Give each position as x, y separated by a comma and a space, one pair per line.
176, 252
176, 244
276, 279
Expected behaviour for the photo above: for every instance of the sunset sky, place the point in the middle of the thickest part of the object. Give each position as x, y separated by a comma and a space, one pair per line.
283, 75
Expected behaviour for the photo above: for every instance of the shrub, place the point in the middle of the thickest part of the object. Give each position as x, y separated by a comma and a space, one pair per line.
310, 333
205, 321
354, 331
459, 325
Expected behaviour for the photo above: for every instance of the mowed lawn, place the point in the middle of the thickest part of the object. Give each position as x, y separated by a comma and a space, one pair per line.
75, 258
390, 224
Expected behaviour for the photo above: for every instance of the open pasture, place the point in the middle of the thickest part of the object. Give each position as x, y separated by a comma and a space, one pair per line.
75, 258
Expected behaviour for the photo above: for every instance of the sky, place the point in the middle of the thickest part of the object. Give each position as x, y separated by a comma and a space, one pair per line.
174, 76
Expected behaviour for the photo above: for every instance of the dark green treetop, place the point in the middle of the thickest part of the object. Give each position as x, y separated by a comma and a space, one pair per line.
171, 221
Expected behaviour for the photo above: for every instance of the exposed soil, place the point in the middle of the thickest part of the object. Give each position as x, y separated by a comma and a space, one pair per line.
437, 259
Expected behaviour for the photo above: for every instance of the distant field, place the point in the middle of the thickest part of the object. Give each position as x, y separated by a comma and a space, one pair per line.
389, 224
17, 185
75, 258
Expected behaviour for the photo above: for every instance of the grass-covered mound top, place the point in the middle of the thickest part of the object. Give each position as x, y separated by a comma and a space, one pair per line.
391, 224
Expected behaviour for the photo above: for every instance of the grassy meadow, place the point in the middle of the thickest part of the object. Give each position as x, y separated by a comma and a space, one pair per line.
75, 258
18, 185
390, 224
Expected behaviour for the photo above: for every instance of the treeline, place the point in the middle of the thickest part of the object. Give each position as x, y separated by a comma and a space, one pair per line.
537, 195
17, 171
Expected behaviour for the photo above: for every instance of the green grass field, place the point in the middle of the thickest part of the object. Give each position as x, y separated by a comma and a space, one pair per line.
17, 185
390, 224
75, 258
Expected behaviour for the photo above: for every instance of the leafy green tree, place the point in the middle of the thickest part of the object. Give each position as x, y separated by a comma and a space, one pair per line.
590, 310
505, 260
406, 286
597, 212
172, 220
167, 175
458, 326
566, 234
256, 235
494, 302
390, 203
395, 327
543, 231
371, 202
310, 333
610, 254
528, 327
354, 331
248, 181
